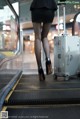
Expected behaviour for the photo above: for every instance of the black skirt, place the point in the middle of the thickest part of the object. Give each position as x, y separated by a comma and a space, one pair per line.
42, 15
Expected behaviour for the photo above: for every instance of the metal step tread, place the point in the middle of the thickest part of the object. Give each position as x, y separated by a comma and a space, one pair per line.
45, 112
44, 96
31, 91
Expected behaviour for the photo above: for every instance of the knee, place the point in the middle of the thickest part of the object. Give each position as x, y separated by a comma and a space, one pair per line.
44, 38
38, 36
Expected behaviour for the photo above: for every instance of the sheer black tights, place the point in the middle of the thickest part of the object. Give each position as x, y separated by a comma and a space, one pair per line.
41, 32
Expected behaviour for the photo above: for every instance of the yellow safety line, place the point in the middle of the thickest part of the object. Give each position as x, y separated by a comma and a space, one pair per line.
4, 108
10, 93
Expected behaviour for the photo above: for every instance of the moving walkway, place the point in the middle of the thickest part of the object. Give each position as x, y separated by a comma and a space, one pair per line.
51, 99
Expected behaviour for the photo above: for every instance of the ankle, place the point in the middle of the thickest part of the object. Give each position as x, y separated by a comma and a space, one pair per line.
41, 74
40, 68
48, 59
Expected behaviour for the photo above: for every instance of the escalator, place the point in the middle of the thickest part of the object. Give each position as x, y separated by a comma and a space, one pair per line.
51, 99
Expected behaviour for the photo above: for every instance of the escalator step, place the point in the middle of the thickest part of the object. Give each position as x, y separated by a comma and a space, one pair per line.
64, 112
35, 92
33, 78
45, 85
44, 97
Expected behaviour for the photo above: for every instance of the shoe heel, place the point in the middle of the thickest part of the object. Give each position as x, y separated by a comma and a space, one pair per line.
41, 74
48, 67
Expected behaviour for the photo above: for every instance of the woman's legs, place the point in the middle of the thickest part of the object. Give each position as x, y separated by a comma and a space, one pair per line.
37, 31
37, 42
38, 38
45, 31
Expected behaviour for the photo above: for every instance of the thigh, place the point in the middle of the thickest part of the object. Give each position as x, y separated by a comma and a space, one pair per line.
45, 29
37, 30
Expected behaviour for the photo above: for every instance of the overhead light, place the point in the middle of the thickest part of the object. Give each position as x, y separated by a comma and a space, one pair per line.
71, 20
77, 6
60, 26
61, 21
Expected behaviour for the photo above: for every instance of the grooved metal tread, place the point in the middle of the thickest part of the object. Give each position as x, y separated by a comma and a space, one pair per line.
44, 97
54, 112
31, 91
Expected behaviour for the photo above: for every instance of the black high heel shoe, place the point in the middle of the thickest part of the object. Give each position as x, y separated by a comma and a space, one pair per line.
48, 67
41, 74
